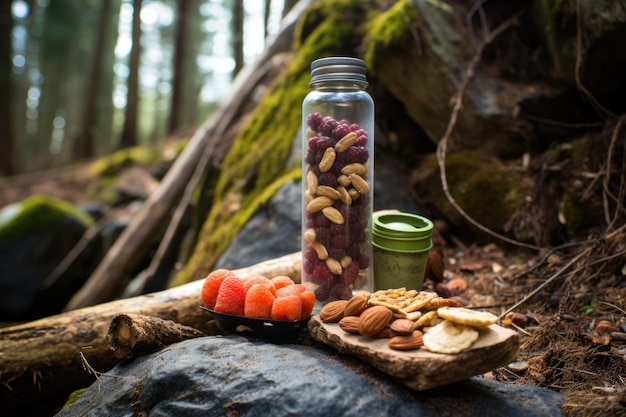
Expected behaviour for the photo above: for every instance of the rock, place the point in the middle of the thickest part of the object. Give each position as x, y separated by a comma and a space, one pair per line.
35, 236
424, 71
273, 232
217, 376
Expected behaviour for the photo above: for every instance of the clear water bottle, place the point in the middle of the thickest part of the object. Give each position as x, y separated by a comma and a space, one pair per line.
337, 180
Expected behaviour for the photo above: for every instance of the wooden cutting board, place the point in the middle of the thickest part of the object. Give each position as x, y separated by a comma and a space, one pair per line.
420, 369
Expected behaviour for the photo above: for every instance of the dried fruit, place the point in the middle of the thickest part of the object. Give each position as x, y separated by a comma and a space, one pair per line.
259, 301
280, 281
211, 286
259, 280
409, 341
466, 316
333, 311
293, 289
373, 320
339, 222
449, 337
231, 296
308, 302
287, 308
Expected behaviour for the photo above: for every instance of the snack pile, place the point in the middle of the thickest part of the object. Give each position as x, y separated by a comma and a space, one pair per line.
276, 298
410, 319
338, 199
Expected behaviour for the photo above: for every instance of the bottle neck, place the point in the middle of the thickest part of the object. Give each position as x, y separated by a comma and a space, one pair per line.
347, 85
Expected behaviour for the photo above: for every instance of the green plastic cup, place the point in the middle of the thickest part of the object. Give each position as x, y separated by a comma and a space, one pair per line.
401, 242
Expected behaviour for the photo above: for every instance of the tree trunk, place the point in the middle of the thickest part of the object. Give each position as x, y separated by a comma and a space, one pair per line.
238, 19
6, 108
180, 53
45, 360
85, 144
129, 131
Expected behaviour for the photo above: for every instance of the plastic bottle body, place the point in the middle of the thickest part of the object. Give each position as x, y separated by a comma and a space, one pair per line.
338, 183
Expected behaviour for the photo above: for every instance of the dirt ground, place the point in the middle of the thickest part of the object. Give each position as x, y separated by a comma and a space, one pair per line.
567, 304
568, 307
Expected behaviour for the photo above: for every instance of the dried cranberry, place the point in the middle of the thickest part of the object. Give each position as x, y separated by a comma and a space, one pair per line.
314, 120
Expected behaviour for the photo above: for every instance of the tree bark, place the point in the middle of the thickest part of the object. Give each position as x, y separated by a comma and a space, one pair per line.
180, 53
45, 360
85, 145
238, 19
133, 335
129, 131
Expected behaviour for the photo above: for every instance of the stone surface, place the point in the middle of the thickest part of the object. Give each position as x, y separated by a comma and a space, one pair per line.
420, 369
224, 376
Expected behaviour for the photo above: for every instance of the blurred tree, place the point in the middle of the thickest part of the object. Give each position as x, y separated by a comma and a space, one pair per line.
288, 4
59, 53
181, 46
129, 131
267, 11
84, 145
7, 138
237, 35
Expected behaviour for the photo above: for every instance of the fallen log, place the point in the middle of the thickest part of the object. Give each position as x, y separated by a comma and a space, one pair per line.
133, 335
45, 360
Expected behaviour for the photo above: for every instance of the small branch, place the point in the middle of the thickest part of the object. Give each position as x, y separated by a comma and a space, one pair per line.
548, 281
135, 334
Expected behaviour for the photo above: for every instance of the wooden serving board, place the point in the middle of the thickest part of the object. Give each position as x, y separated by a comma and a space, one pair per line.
420, 369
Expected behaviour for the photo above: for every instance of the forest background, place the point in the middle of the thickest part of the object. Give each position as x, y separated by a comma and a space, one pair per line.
82, 78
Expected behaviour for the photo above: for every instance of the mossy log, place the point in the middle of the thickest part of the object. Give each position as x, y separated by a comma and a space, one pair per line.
45, 360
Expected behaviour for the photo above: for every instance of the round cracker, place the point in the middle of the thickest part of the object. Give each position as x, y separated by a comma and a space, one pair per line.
449, 337
466, 316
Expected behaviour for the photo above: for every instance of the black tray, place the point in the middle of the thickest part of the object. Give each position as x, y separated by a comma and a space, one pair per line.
261, 327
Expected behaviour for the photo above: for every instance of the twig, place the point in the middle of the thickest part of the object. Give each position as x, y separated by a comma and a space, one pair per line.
579, 83
548, 281
618, 200
443, 143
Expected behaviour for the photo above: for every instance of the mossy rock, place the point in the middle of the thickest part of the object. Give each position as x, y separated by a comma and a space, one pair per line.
424, 70
479, 183
38, 212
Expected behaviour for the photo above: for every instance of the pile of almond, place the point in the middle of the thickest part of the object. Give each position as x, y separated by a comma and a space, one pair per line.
405, 316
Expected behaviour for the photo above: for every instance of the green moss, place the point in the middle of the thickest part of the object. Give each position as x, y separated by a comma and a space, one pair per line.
37, 212
388, 29
479, 183
581, 214
255, 166
121, 159
74, 396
